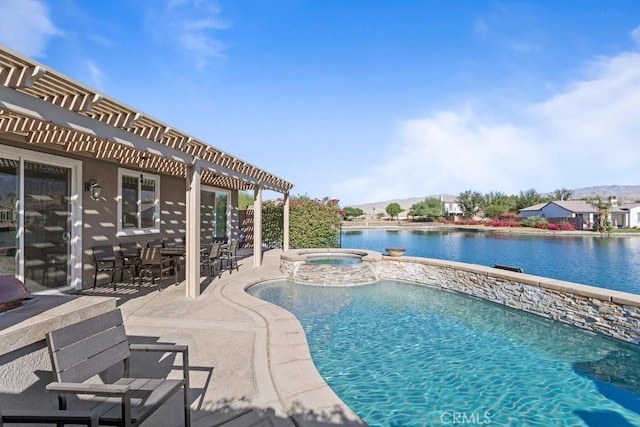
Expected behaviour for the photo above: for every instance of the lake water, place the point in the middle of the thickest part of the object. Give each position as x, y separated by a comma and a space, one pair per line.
607, 262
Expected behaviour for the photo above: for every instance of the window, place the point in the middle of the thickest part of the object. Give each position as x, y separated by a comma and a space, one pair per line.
138, 202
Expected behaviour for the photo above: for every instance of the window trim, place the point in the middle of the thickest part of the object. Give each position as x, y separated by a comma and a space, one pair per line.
155, 229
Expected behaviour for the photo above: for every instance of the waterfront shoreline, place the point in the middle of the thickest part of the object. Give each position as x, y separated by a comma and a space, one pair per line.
387, 225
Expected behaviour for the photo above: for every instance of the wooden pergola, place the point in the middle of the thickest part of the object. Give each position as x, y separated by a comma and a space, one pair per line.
43, 108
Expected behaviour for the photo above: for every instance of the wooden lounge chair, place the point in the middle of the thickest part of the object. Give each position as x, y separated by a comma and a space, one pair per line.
85, 349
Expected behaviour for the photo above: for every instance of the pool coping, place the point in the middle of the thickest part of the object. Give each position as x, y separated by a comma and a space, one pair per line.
291, 367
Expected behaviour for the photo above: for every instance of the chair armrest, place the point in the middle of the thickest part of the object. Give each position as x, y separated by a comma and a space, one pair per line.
84, 388
168, 348
86, 418
173, 348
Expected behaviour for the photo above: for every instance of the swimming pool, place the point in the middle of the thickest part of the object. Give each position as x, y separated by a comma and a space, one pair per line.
407, 355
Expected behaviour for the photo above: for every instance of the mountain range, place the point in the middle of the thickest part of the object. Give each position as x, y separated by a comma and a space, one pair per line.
622, 192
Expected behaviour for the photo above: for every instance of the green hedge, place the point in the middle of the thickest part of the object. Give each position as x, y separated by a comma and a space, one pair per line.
313, 223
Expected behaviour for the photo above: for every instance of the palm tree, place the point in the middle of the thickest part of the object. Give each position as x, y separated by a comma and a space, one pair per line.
562, 194
603, 224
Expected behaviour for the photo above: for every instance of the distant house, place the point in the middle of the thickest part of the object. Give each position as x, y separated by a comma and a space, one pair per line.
450, 205
587, 212
632, 211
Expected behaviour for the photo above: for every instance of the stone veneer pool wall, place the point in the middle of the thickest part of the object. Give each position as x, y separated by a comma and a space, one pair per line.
608, 312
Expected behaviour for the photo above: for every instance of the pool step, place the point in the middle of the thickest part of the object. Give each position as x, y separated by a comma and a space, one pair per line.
335, 275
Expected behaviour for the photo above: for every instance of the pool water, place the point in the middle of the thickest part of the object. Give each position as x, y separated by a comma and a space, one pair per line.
406, 355
333, 259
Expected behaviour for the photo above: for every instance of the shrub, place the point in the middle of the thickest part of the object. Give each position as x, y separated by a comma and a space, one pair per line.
272, 222
566, 226
534, 222
314, 223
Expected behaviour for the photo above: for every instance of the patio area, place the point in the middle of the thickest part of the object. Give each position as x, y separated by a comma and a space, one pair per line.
250, 363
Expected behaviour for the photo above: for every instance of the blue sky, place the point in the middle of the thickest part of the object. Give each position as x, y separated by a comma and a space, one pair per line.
368, 100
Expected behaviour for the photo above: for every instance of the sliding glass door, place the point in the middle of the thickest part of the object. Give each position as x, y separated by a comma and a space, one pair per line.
36, 219
47, 225
9, 175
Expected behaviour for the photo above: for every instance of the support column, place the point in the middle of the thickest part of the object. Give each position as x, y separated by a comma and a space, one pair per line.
192, 256
285, 223
257, 226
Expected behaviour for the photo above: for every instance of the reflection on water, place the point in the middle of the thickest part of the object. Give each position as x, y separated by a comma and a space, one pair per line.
612, 263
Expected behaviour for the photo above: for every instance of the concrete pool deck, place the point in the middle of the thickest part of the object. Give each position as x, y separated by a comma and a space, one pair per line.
250, 363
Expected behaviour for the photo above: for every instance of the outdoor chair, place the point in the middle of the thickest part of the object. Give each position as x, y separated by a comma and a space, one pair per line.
211, 258
104, 261
223, 240
129, 258
83, 350
155, 243
229, 256
154, 264
172, 242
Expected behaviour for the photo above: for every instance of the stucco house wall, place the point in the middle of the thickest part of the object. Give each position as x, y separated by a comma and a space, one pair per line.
99, 217
634, 216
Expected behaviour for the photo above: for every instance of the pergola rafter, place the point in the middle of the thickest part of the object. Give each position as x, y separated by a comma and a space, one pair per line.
172, 151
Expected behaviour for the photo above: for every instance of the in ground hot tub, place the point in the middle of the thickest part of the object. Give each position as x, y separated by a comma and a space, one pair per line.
330, 267
333, 259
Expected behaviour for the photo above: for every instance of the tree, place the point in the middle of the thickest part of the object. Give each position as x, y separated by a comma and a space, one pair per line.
528, 198
470, 202
393, 209
603, 224
496, 203
562, 194
350, 212
244, 200
429, 208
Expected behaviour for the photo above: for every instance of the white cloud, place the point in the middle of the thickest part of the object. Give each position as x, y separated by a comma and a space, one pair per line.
25, 26
194, 25
96, 74
635, 35
586, 134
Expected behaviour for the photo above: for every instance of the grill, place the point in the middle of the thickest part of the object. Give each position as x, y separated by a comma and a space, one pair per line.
12, 293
